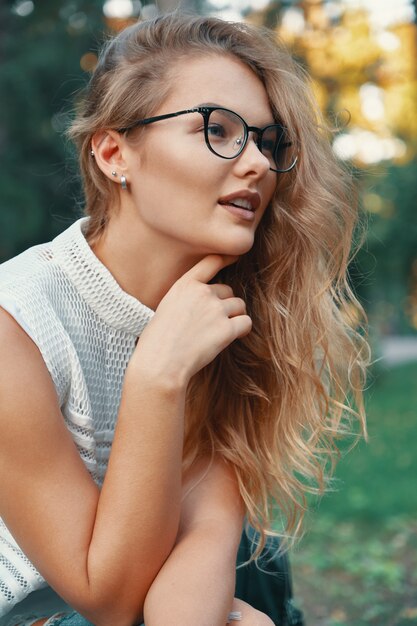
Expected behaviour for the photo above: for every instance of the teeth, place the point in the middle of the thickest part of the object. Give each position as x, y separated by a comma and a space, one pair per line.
243, 203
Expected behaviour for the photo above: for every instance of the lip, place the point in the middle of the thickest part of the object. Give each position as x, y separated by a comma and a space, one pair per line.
242, 214
252, 196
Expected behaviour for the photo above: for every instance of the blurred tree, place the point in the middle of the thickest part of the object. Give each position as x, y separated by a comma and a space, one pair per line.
42, 46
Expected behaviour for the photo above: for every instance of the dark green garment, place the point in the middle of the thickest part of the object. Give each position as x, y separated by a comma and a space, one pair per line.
269, 590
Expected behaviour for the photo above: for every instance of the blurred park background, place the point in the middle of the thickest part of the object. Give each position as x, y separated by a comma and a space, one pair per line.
357, 563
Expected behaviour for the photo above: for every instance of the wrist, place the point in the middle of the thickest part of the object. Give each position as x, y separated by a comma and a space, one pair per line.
157, 376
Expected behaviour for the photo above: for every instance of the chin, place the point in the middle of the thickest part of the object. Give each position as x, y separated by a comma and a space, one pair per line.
223, 242
235, 247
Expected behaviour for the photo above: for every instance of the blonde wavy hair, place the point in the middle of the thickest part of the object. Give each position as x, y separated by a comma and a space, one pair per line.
273, 403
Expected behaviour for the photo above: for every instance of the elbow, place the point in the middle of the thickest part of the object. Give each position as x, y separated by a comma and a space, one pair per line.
114, 592
118, 601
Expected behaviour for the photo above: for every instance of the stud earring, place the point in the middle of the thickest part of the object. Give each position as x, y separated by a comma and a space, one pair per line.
92, 153
123, 181
114, 173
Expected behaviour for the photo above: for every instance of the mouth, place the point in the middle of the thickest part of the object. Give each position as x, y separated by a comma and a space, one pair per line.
242, 203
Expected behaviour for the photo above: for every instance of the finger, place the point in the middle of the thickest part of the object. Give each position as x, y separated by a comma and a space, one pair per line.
234, 306
241, 325
222, 291
208, 267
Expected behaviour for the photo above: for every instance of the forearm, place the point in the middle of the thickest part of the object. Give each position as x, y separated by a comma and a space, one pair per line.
93, 547
197, 582
139, 506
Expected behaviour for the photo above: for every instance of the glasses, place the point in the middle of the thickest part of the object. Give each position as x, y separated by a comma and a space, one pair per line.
226, 135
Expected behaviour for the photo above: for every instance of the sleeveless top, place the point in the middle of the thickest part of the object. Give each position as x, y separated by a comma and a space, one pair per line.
85, 327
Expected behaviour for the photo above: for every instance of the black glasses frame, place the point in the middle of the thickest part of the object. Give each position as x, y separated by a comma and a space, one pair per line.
206, 112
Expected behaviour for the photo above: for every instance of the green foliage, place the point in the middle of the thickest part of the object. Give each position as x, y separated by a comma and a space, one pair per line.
352, 574
357, 564
386, 466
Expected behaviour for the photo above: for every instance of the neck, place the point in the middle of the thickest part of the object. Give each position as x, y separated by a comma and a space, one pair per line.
145, 266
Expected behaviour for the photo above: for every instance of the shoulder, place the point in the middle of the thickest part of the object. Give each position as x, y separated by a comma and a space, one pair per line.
28, 282
16, 343
31, 294
29, 407
23, 372
26, 264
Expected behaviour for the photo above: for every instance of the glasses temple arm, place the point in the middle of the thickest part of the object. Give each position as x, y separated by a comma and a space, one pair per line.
157, 118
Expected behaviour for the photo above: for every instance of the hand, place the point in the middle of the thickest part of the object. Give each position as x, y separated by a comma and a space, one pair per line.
193, 323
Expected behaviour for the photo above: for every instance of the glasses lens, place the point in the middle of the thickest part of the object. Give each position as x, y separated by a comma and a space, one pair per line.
226, 133
279, 148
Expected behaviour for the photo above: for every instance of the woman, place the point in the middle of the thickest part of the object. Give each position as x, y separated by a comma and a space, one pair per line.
192, 331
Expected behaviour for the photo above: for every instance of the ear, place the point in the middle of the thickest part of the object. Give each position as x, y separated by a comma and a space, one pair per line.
109, 152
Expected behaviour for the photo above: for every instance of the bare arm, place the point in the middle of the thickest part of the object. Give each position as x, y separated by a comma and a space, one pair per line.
91, 547
94, 547
197, 582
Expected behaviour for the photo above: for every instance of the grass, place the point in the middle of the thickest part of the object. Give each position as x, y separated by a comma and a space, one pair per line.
357, 564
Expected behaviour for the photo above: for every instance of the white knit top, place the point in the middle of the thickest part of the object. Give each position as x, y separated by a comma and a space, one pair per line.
85, 327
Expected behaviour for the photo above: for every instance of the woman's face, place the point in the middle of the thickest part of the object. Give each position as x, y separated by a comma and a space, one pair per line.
185, 195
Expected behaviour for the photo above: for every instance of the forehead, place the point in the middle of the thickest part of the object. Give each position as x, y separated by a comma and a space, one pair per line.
221, 79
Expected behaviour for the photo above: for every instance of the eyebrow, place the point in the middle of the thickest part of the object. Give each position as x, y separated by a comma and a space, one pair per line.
210, 104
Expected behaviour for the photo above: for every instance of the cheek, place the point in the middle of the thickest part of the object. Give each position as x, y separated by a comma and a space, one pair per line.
171, 172
185, 154
171, 196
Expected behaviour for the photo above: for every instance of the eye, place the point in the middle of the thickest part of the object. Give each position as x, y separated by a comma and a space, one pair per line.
274, 140
216, 130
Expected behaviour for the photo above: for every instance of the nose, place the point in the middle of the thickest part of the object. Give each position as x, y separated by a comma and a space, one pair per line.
252, 161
